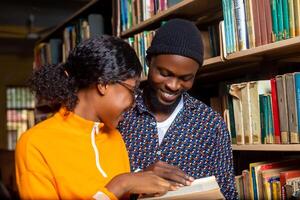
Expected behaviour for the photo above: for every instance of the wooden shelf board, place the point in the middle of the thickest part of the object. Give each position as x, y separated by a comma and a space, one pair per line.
185, 8
63, 24
280, 50
212, 61
266, 147
272, 49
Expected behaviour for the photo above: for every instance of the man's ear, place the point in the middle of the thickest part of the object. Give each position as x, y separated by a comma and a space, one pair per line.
102, 88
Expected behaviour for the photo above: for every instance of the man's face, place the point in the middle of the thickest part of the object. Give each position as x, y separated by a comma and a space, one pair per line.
169, 76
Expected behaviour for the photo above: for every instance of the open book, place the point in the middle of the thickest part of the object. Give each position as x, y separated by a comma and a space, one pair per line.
204, 188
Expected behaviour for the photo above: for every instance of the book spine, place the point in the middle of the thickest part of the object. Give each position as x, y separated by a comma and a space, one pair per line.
275, 111
297, 89
289, 19
240, 18
274, 20
280, 20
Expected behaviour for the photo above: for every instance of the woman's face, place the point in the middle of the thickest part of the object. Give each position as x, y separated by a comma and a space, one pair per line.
119, 98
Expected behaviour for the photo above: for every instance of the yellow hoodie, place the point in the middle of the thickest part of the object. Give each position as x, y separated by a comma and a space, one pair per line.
68, 157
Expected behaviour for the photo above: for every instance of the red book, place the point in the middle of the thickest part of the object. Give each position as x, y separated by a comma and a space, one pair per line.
293, 163
284, 176
275, 111
262, 22
268, 21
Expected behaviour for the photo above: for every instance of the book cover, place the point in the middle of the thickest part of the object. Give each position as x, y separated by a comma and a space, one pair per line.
250, 23
280, 20
235, 91
268, 17
292, 108
275, 111
262, 21
297, 17
96, 23
240, 18
274, 20
256, 18
284, 175
297, 90
283, 110
287, 21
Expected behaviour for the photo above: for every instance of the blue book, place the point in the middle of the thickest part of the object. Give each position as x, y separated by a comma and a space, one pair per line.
226, 25
232, 27
280, 19
122, 12
96, 23
173, 2
55, 49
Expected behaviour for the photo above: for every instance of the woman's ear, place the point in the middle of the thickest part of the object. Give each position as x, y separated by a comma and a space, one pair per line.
102, 88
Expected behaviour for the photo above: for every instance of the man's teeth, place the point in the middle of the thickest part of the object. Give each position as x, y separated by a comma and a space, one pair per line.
168, 95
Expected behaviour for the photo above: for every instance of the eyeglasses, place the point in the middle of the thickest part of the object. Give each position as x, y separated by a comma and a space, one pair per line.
135, 91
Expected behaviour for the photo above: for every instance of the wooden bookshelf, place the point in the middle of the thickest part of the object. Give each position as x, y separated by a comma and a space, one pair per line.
260, 63
94, 6
103, 7
267, 147
190, 9
285, 50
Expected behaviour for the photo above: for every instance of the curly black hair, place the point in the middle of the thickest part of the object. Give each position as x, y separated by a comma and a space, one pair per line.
102, 59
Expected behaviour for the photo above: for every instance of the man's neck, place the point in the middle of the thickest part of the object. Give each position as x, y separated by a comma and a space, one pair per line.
160, 112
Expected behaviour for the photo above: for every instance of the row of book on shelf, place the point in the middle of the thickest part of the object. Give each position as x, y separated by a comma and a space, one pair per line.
133, 12
246, 24
270, 180
17, 122
56, 50
20, 103
19, 97
251, 23
262, 112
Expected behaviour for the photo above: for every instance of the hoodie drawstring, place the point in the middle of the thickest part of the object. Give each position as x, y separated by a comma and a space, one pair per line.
95, 130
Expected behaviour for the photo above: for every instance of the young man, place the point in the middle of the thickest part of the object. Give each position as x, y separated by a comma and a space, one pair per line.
167, 125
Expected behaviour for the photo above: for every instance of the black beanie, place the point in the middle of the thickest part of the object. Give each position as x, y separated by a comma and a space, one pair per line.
180, 37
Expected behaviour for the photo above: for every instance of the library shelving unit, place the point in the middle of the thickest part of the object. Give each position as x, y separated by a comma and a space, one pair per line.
264, 61
190, 9
95, 14
95, 6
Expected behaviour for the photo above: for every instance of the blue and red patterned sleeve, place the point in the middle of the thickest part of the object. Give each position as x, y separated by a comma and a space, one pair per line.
223, 162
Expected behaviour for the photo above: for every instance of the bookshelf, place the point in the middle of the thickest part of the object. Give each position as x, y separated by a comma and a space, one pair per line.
94, 18
190, 9
19, 113
286, 50
94, 6
281, 51
268, 59
204, 12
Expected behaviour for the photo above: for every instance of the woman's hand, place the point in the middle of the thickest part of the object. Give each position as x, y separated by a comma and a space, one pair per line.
139, 183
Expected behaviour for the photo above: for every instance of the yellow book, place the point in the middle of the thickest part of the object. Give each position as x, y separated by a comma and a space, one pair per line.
252, 176
275, 190
291, 4
297, 17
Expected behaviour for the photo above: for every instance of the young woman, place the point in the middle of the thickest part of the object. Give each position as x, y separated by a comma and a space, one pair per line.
78, 153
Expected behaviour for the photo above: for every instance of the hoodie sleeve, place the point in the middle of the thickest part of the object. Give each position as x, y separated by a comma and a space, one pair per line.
34, 178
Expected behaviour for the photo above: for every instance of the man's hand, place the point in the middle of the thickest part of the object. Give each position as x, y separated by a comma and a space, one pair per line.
171, 173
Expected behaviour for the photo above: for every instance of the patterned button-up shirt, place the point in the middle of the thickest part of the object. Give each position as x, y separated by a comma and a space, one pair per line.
197, 141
